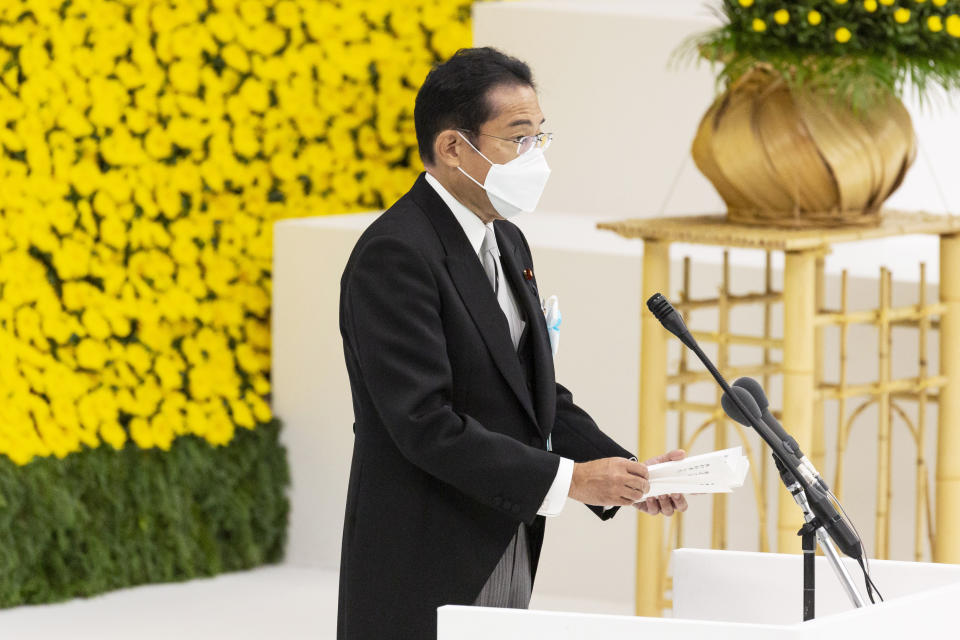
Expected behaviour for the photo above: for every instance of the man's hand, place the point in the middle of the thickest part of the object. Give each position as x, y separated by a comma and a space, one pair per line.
669, 503
609, 482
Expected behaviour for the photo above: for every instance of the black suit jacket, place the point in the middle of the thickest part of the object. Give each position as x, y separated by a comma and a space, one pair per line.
449, 451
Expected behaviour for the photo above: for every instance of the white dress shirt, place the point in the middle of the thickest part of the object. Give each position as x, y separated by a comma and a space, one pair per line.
475, 229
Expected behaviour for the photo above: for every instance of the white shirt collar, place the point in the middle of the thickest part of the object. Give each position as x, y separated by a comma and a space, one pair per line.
472, 225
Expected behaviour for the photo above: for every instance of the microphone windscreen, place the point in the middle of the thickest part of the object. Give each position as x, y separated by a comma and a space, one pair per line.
755, 389
733, 411
659, 306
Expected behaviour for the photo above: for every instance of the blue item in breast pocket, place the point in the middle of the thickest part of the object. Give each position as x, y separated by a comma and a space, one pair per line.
553, 318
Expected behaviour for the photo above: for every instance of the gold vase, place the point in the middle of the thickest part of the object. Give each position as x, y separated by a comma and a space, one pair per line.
795, 159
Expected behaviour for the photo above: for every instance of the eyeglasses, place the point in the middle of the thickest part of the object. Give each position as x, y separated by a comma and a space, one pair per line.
524, 143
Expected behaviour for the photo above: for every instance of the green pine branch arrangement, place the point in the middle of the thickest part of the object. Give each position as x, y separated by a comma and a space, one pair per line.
101, 519
857, 51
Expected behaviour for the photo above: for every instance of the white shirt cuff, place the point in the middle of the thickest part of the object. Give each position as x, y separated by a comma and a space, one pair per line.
557, 495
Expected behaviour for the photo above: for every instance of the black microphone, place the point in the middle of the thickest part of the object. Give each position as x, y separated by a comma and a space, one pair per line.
733, 412
840, 531
756, 390
661, 308
838, 528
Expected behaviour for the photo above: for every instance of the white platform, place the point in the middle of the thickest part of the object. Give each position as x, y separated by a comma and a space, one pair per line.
743, 596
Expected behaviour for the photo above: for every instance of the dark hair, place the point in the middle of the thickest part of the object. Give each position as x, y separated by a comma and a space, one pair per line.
454, 94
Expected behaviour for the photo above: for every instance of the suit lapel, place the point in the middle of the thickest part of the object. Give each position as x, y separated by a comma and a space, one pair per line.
545, 391
471, 282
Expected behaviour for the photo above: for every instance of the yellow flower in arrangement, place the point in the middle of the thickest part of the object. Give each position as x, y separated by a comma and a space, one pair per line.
953, 25
902, 15
782, 16
814, 17
939, 3
935, 24
759, 25
746, 3
887, 3
870, 5
841, 1
843, 35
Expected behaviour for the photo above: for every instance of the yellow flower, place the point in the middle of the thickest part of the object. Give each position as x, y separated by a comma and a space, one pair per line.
184, 76
261, 410
746, 3
841, 1
268, 38
71, 119
255, 95
220, 429
935, 24
91, 354
242, 415
141, 433
814, 18
902, 15
870, 5
236, 56
939, 3
113, 231
95, 324
162, 431
157, 143
113, 434
782, 16
169, 369
261, 385
138, 357
843, 35
953, 25
196, 419
253, 12
887, 3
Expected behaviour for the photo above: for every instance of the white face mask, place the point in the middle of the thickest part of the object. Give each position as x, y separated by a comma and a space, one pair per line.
516, 186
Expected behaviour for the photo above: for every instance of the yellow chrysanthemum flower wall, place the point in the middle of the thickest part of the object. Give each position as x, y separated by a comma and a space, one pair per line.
147, 148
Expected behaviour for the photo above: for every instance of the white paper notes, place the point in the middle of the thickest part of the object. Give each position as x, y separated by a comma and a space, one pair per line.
715, 472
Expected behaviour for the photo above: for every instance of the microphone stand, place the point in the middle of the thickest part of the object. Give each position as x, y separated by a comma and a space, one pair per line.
812, 533
819, 513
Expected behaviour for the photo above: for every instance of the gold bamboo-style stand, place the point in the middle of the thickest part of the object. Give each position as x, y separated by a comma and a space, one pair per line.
804, 317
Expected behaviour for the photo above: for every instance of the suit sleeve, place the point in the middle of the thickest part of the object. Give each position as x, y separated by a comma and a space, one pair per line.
576, 436
393, 327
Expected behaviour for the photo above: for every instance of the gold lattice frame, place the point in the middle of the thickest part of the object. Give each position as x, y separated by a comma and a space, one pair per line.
805, 318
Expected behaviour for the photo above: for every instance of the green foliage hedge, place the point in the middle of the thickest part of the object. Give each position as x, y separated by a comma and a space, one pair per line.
101, 519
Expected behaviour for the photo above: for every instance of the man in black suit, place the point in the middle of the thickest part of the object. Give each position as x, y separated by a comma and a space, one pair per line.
464, 442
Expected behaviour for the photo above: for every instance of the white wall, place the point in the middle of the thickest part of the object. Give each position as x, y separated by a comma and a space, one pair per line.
624, 121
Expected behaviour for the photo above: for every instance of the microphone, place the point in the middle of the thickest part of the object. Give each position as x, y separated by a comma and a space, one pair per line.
841, 532
755, 390
753, 408
824, 510
663, 311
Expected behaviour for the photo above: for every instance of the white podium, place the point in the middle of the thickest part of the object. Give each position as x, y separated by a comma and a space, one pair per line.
742, 596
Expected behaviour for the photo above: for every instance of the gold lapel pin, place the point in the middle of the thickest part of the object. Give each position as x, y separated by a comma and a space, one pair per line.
528, 274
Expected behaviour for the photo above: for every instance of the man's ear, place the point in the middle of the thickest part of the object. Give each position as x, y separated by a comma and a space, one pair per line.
446, 148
